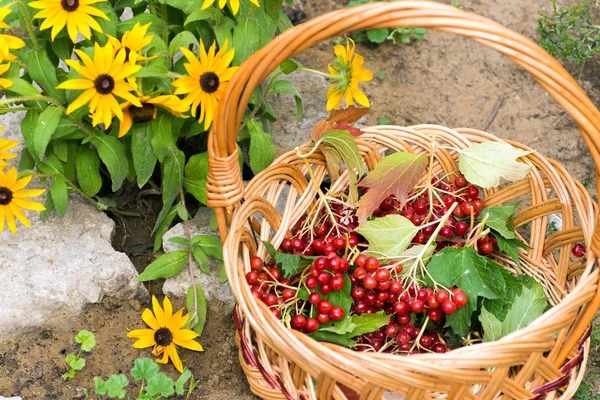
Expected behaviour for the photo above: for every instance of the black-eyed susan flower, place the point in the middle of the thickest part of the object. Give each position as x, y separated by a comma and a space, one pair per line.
7, 43
348, 72
147, 111
235, 4
165, 333
5, 83
208, 79
103, 79
133, 42
5, 146
76, 15
13, 198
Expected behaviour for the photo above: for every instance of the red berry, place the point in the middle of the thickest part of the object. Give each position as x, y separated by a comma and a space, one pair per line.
335, 263
314, 298
395, 286
418, 220
324, 306
420, 238
318, 246
461, 228
432, 302
322, 263
361, 261
372, 264
328, 249
297, 244
275, 273
369, 282
478, 204
322, 318
323, 278
446, 232
339, 243
311, 325
256, 263
408, 213
344, 265
270, 299
352, 241
336, 313
392, 330
286, 245
311, 282
358, 293
434, 314
252, 278
383, 296
359, 273
289, 293
337, 282
449, 307
458, 213
428, 230
421, 207
275, 312
578, 250
326, 288
472, 192
401, 308
403, 319
460, 299
466, 208
382, 274
486, 248
425, 341
417, 306
460, 182
298, 322
438, 348
448, 200
403, 338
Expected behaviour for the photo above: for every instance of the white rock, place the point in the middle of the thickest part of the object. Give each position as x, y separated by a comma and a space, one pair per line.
179, 284
12, 131
10, 398
60, 266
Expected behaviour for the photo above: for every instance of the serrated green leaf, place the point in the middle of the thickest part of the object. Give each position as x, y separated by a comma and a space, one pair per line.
528, 306
378, 35
358, 325
510, 247
332, 338
183, 378
289, 66
289, 264
345, 144
44, 129
166, 266
144, 368
485, 163
99, 386
492, 326
115, 385
87, 340
87, 165
262, 149
201, 307
210, 245
160, 383
498, 219
396, 174
388, 236
286, 87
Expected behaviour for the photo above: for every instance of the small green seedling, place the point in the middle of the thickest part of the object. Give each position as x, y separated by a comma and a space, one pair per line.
76, 362
153, 385
383, 121
380, 75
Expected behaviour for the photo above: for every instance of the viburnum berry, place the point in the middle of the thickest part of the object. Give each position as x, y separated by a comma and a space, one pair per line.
392, 330
446, 232
420, 238
425, 341
360, 307
288, 293
297, 244
361, 261
395, 286
401, 308
324, 306
270, 299
287, 244
466, 208
311, 282
403, 319
336, 313
323, 278
337, 282
461, 228
438, 348
434, 314
449, 307
442, 296
358, 293
275, 273
449, 200
326, 288
369, 282
276, 312
422, 295
382, 274
478, 204
344, 265
417, 306
403, 338
298, 322
486, 248
408, 213
311, 325
421, 207
252, 278
321, 263
339, 243
418, 220
360, 273
460, 298
256, 263
318, 246
323, 318
460, 182
352, 241
314, 298
578, 250
432, 302
335, 263
472, 192
372, 264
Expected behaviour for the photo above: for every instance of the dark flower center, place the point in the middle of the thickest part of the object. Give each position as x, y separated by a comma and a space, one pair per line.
127, 51
163, 337
209, 82
142, 114
6, 196
104, 84
70, 5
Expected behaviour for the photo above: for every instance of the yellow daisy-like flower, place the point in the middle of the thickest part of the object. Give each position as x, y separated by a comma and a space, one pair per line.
3, 13
7, 43
349, 72
103, 79
165, 333
147, 111
13, 198
133, 42
5, 83
235, 4
207, 81
5, 146
75, 14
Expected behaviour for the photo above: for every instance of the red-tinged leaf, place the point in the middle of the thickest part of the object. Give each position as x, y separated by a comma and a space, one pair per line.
349, 115
340, 120
321, 128
354, 131
334, 162
396, 174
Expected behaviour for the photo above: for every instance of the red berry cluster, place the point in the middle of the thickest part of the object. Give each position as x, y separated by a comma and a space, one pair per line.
402, 338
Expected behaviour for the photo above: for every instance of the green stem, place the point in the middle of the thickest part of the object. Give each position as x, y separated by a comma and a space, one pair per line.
141, 388
188, 235
218, 22
31, 98
9, 110
152, 8
251, 14
28, 23
314, 71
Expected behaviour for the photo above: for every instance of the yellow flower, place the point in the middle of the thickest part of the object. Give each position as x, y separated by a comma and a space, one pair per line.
5, 83
13, 198
3, 13
133, 42
166, 331
103, 79
147, 112
5, 146
7, 43
75, 14
235, 4
207, 81
350, 72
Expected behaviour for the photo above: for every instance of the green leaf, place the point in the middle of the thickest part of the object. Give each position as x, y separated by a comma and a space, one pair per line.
44, 128
345, 144
499, 219
144, 160
378, 35
477, 276
183, 39
172, 175
286, 87
24, 88
42, 71
165, 266
200, 258
27, 162
196, 187
61, 150
180, 241
245, 39
358, 325
223, 278
201, 306
112, 153
383, 121
332, 338
396, 174
152, 71
157, 27
510, 247
160, 383
197, 166
87, 165
87, 340
289, 66
492, 326
60, 194
415, 254
380, 75
388, 236
115, 385
262, 149
163, 227
77, 364
342, 297
527, 307
210, 245
342, 327
144, 368
182, 212
289, 264
99, 386
223, 32
181, 381
485, 163
201, 15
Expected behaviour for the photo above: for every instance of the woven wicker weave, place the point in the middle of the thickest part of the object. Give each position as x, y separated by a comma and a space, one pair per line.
544, 360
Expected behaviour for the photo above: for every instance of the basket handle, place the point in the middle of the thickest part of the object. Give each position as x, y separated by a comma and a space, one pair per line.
225, 188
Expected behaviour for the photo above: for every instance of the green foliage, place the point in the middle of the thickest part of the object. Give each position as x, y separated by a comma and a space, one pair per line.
377, 36
388, 236
87, 342
571, 32
289, 264
151, 383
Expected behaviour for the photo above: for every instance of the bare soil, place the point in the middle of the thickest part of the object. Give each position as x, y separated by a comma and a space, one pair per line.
444, 80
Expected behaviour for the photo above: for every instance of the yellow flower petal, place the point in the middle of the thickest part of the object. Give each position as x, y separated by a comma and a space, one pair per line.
150, 320
188, 344
172, 351
183, 334
158, 312
146, 341
140, 333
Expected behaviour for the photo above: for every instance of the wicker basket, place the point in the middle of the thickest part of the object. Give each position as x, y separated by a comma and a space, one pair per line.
545, 360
